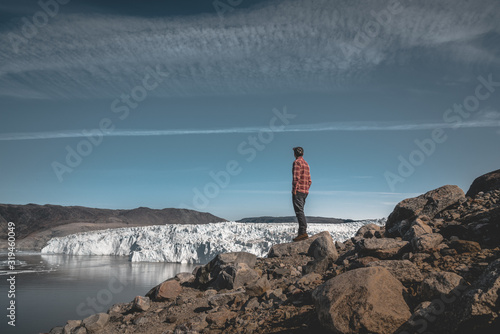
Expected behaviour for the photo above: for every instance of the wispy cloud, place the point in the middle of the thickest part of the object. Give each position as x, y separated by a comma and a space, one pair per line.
279, 46
364, 193
327, 193
324, 127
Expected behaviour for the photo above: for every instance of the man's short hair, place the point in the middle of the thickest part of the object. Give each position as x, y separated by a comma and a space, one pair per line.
299, 151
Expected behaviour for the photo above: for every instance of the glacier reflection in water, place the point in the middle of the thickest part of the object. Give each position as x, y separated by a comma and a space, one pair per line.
51, 289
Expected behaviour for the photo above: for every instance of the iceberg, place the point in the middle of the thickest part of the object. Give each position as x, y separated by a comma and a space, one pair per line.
190, 243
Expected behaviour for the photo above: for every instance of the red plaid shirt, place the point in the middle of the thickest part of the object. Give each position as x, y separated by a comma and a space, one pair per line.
301, 176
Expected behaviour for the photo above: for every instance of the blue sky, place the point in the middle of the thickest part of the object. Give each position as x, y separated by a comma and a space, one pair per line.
121, 104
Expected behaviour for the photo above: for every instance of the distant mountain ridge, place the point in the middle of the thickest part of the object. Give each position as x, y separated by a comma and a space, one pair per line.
292, 219
36, 224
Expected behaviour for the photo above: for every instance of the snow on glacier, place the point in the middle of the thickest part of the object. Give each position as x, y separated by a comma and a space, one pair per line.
190, 243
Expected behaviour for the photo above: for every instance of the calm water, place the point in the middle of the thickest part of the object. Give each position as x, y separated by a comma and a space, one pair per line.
51, 289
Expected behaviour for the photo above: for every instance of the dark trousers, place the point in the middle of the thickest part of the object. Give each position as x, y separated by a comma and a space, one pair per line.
299, 200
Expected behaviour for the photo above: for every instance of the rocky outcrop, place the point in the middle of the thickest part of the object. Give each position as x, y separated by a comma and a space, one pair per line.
365, 300
323, 252
485, 183
428, 204
294, 248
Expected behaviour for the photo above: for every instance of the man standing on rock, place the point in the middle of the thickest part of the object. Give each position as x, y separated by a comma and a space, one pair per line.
300, 189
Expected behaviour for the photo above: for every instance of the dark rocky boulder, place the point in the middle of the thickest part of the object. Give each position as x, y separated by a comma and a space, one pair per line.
428, 204
209, 273
368, 231
399, 228
294, 248
233, 276
485, 183
323, 252
323, 247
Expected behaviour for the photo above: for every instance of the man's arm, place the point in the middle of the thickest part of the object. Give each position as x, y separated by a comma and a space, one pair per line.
308, 175
296, 176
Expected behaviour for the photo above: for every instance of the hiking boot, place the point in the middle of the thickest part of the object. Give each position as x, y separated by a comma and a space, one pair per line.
301, 237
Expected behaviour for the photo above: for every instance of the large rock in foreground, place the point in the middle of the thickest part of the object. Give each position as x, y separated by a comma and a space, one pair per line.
365, 300
485, 183
428, 204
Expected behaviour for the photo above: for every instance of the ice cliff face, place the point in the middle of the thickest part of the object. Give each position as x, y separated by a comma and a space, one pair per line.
189, 243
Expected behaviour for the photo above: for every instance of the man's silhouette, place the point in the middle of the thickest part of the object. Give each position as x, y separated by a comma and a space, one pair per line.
300, 189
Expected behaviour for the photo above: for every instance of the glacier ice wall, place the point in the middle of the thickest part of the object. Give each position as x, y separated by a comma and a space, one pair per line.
190, 243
